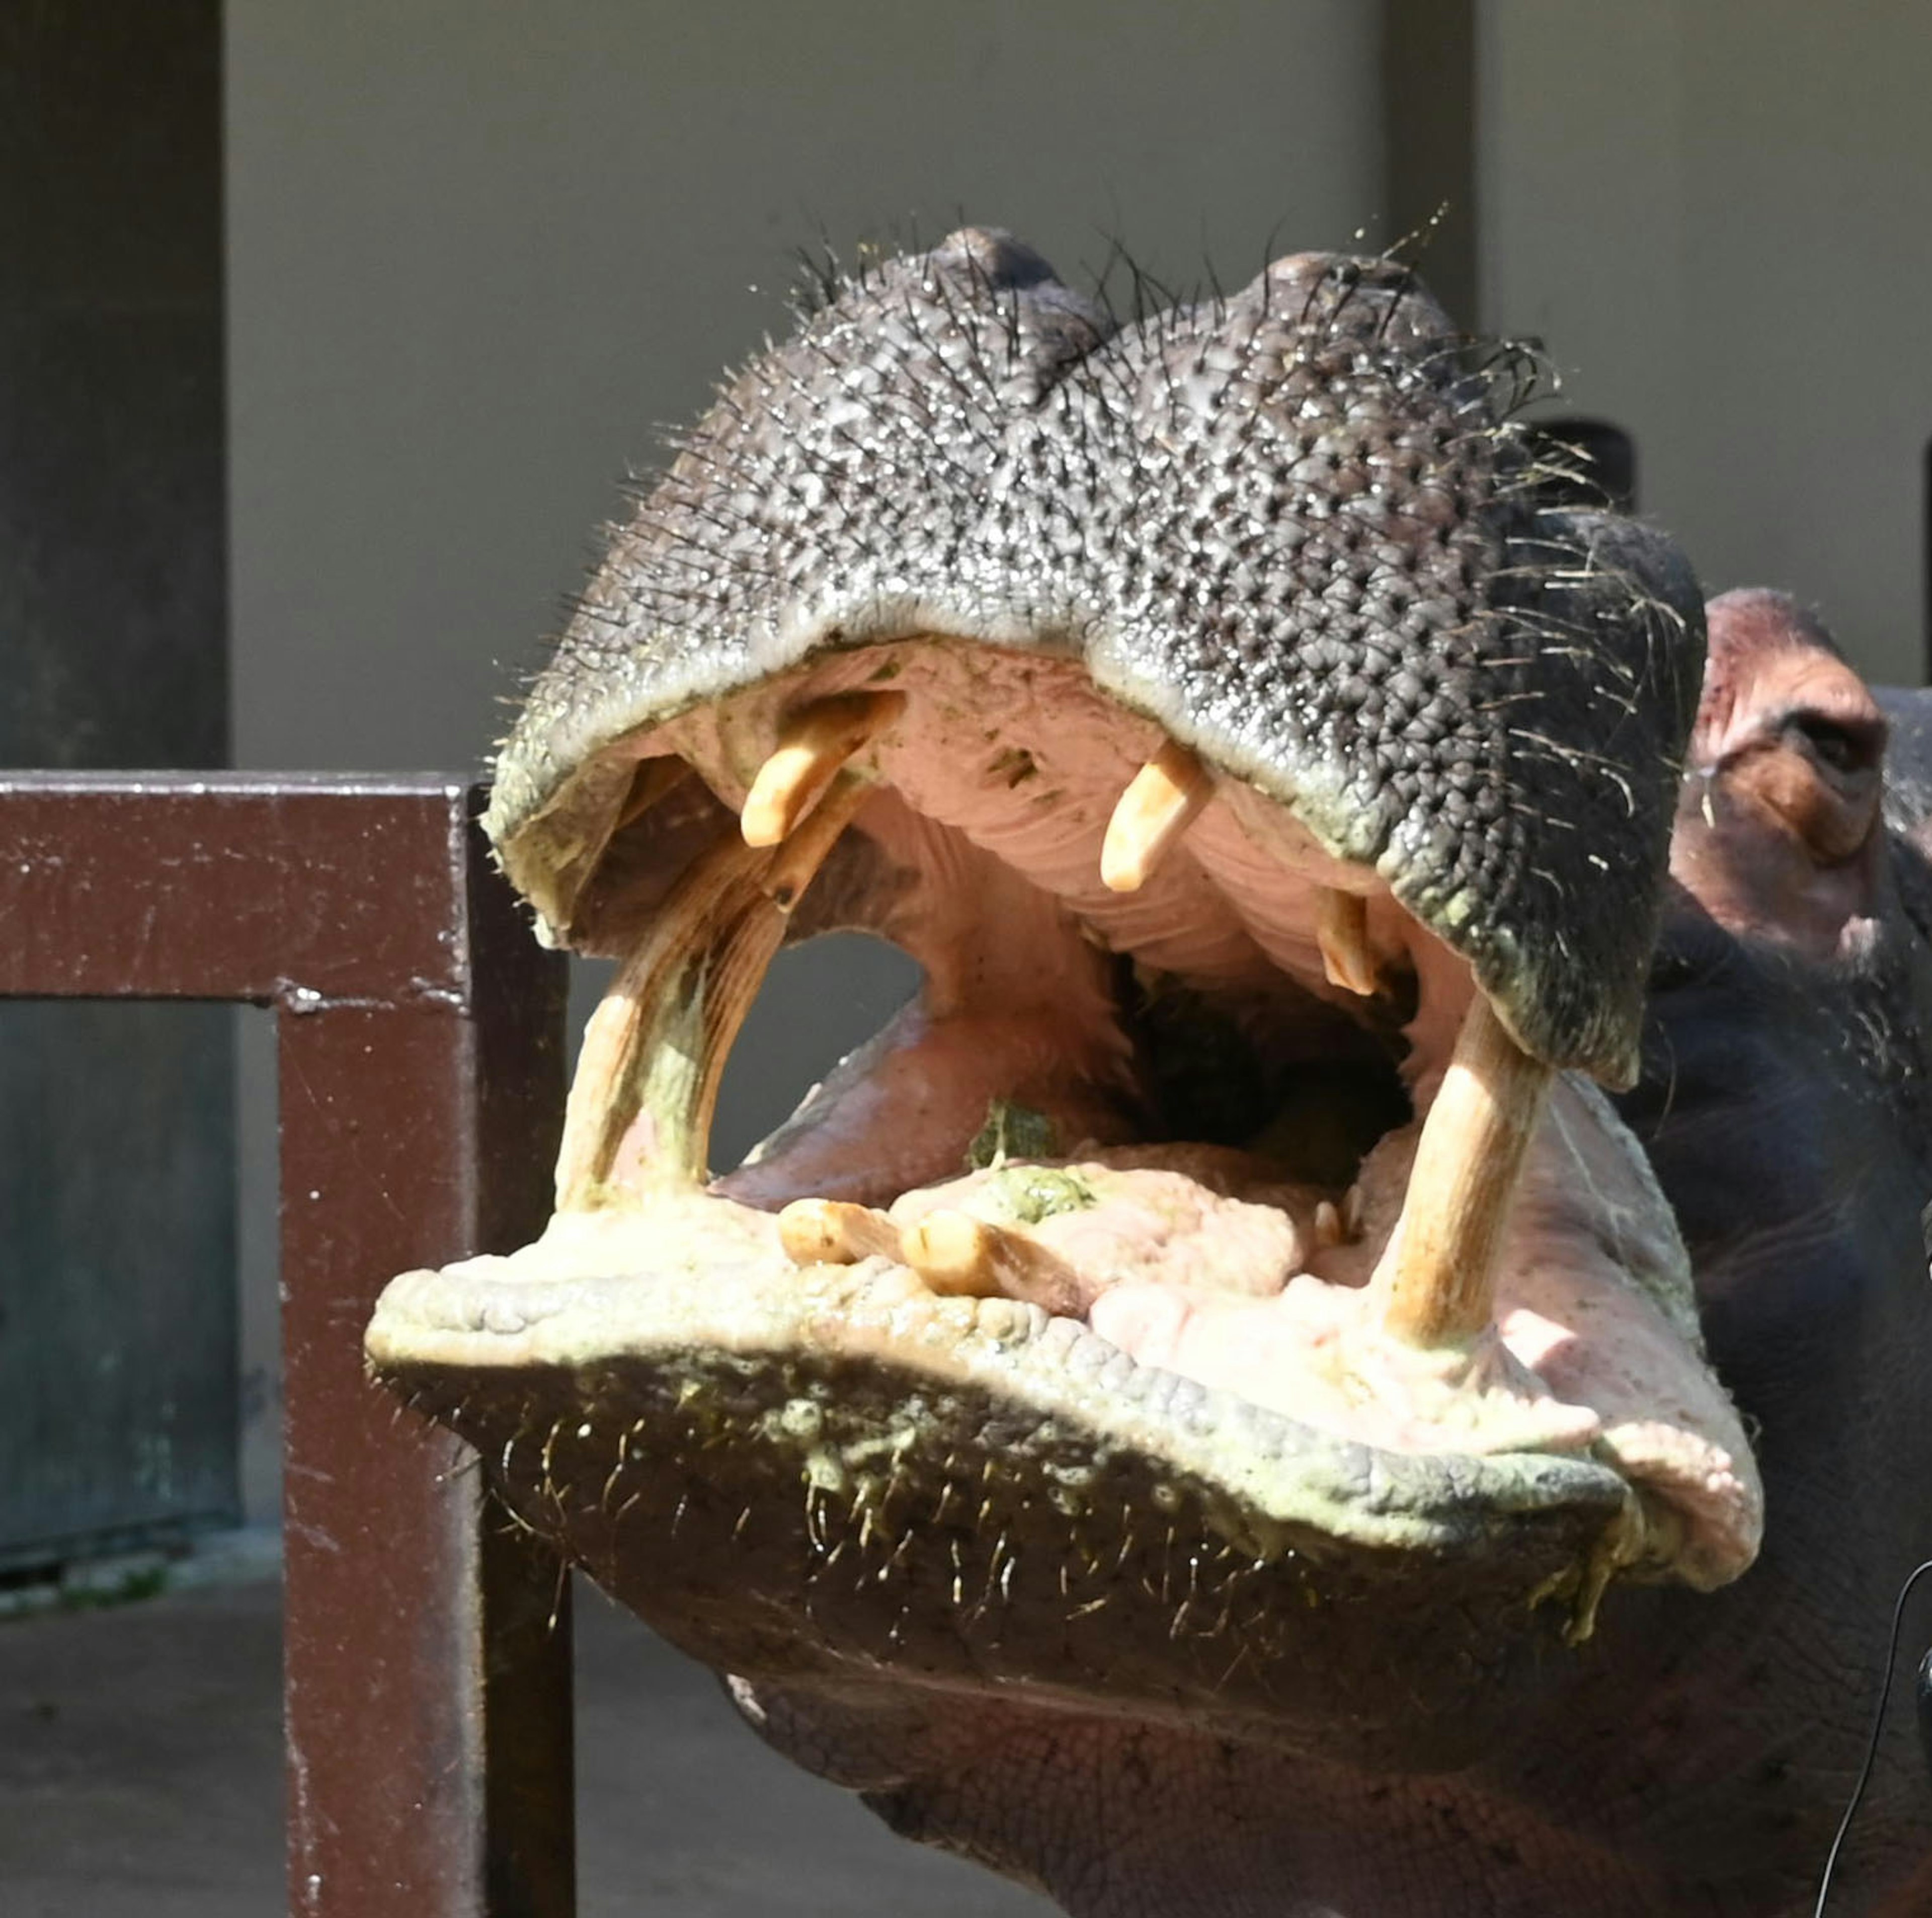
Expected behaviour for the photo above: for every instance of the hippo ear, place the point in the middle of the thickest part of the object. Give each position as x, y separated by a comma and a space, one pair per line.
1778, 832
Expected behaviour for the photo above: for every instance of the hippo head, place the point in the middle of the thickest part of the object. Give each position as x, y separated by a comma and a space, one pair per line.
1224, 1313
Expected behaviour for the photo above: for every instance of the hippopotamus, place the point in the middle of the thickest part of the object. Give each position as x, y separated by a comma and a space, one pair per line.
1357, 1348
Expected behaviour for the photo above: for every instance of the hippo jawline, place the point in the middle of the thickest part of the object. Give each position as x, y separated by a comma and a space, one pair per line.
1276, 797
855, 1405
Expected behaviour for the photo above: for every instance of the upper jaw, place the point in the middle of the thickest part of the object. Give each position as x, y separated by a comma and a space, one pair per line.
955, 488
1289, 526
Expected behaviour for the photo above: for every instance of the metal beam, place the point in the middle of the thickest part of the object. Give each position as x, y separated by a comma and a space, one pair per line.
428, 1679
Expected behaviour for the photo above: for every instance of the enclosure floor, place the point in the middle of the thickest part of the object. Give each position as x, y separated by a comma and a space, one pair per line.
140, 1777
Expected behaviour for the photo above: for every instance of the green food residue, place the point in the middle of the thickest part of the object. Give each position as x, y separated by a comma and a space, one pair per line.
1030, 1193
1026, 1192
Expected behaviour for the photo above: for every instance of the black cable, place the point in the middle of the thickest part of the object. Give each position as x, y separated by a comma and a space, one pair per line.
1878, 1728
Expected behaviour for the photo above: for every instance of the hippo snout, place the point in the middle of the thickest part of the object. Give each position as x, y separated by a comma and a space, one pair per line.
1226, 1289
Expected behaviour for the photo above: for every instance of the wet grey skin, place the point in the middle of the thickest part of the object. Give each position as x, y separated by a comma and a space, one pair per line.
1298, 529
1292, 525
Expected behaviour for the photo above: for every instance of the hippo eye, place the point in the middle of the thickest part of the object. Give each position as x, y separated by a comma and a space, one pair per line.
1843, 748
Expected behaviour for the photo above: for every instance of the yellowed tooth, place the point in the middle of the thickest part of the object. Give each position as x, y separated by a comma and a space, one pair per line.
833, 1232
1352, 1214
814, 743
1161, 801
1342, 932
638, 1117
1438, 1279
1327, 1224
955, 1253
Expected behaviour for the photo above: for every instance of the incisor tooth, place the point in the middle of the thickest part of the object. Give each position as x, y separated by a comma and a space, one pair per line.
833, 1232
1161, 802
1438, 1283
1342, 932
953, 1252
814, 743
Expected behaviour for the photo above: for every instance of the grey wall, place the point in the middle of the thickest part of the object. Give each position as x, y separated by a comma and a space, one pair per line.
1718, 214
478, 252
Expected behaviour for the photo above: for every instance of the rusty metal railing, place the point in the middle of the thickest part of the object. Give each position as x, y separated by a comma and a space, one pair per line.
427, 1676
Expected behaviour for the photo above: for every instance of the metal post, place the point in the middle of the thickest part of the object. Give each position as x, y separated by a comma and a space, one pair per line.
427, 1712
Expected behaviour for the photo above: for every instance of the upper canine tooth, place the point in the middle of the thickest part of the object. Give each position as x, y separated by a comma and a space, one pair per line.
1342, 932
1437, 1279
1160, 804
814, 743
833, 1232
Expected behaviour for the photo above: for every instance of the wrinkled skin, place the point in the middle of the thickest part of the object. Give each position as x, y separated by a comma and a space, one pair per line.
1164, 1647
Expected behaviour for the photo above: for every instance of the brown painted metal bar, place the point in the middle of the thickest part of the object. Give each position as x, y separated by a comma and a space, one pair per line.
427, 1712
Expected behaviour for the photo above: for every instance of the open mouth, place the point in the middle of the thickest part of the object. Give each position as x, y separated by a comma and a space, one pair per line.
1230, 1218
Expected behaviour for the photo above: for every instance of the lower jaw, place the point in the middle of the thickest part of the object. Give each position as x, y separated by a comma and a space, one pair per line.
823, 1483
829, 1474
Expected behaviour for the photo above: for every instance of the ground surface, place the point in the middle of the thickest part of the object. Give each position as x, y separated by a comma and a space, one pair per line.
140, 1777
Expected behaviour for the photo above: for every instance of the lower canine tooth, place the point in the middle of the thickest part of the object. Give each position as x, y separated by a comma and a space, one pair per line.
1438, 1279
953, 1252
1160, 803
1342, 933
814, 744
832, 1231
639, 1113
1327, 1224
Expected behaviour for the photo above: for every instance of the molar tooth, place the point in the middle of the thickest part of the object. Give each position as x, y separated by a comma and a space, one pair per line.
953, 1252
814, 744
1437, 1278
831, 1231
1342, 932
1352, 1214
1161, 801
1327, 1224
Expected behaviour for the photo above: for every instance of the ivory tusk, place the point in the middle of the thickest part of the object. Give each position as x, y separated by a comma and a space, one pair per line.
1437, 1280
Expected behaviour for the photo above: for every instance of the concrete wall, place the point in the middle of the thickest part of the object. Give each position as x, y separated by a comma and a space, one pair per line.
1716, 212
478, 251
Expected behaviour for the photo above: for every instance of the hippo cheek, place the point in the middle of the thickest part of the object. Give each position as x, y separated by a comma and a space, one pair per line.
1223, 1295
